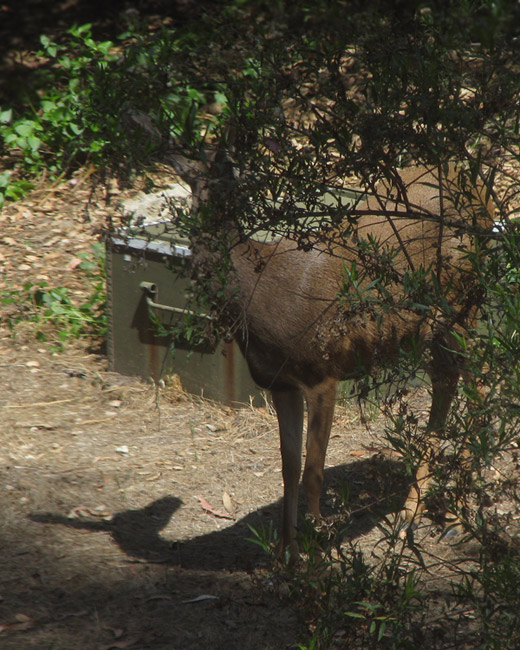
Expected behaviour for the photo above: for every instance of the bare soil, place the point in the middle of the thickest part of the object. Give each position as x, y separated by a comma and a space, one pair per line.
104, 538
108, 482
126, 505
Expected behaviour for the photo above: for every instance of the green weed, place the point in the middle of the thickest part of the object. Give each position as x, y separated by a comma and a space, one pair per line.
265, 537
51, 131
56, 313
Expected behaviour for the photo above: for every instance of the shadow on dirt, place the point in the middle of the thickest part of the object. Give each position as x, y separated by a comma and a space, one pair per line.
210, 591
376, 488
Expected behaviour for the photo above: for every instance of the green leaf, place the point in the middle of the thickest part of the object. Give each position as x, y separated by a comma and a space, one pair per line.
48, 105
4, 179
34, 142
221, 98
49, 46
6, 116
24, 128
66, 62
77, 130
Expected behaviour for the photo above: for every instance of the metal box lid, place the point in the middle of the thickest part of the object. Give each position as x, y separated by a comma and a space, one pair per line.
160, 237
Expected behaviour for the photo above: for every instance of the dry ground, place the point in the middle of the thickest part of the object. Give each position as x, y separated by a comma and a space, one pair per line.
105, 540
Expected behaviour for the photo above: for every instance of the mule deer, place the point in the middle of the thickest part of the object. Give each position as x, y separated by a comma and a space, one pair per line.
300, 336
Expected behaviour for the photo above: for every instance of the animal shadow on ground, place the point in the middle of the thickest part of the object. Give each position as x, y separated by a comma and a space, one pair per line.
376, 487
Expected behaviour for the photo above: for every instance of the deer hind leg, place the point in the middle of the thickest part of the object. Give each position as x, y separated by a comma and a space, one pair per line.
289, 410
444, 373
321, 401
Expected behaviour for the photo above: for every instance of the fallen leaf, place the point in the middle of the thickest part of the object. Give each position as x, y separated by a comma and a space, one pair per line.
21, 622
79, 511
209, 508
159, 597
86, 511
22, 618
201, 598
73, 264
228, 504
33, 364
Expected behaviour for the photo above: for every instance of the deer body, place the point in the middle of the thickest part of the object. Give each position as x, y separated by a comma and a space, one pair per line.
300, 338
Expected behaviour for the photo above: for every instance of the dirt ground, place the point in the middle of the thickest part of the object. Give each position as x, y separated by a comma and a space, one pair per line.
107, 542
126, 506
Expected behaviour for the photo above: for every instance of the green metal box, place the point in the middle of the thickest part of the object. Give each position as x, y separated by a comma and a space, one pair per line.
141, 277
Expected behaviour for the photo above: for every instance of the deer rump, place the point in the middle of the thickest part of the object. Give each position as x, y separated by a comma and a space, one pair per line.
303, 326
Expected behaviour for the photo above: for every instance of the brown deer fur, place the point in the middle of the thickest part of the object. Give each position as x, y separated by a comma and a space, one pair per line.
300, 338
